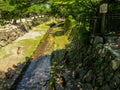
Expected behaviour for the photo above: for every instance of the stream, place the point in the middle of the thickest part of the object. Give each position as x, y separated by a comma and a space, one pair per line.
37, 75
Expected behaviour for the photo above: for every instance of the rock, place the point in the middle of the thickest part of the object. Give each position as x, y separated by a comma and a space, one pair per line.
87, 86
103, 53
115, 63
10, 73
61, 81
75, 88
95, 88
4, 38
100, 80
98, 40
82, 72
118, 40
13, 33
88, 77
118, 88
3, 43
118, 45
108, 73
75, 74
105, 87
116, 81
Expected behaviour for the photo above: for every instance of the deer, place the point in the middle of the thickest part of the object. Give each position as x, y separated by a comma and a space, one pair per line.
18, 50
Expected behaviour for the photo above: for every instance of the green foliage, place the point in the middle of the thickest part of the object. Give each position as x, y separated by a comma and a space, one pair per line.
36, 9
80, 35
1, 22
76, 8
5, 6
69, 23
16, 9
77, 14
114, 8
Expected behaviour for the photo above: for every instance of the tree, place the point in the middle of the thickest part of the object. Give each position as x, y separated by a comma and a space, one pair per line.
79, 21
5, 9
17, 9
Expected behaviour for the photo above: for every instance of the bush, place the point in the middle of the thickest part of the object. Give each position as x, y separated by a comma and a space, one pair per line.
69, 24
1, 22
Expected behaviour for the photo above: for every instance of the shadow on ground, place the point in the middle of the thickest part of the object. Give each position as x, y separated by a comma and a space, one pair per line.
13, 75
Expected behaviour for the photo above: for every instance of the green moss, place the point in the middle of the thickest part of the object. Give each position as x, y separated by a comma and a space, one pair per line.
43, 26
61, 40
29, 45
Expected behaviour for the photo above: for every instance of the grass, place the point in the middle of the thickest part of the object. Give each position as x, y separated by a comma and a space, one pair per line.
61, 40
8, 55
30, 46
44, 26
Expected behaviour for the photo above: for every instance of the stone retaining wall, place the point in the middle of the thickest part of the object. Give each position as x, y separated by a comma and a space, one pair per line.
100, 69
93, 67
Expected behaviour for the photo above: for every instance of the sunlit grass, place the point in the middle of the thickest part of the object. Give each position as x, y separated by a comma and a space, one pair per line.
8, 54
29, 45
61, 40
44, 26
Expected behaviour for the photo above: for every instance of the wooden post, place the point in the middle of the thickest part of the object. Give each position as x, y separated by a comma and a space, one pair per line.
103, 23
103, 11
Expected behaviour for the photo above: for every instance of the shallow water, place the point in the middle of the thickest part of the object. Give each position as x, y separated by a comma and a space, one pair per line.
37, 75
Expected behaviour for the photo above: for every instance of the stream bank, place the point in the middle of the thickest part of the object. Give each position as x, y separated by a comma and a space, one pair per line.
16, 62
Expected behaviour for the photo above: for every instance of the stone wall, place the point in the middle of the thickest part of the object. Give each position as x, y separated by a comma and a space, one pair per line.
100, 69
95, 67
